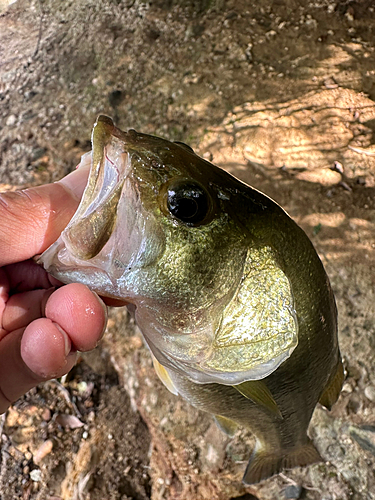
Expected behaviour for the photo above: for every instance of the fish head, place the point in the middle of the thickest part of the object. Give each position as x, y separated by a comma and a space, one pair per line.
183, 243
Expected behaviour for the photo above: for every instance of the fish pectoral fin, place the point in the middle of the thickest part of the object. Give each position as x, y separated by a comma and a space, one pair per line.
226, 425
332, 391
164, 376
264, 464
258, 392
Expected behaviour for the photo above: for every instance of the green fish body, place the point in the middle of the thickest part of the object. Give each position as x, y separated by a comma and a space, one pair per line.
229, 293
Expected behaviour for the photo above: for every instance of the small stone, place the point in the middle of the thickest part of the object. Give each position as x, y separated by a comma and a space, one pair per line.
361, 180
46, 415
345, 186
293, 491
12, 417
338, 167
36, 475
11, 120
211, 455
330, 83
82, 386
69, 421
43, 450
323, 176
364, 436
354, 404
370, 393
347, 388
311, 23
208, 156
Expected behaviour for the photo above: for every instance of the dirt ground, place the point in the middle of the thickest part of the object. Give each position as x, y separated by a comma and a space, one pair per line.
281, 94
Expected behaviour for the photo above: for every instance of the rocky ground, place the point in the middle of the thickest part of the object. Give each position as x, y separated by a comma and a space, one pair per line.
281, 94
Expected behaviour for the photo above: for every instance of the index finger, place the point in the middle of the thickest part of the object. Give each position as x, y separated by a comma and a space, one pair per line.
32, 219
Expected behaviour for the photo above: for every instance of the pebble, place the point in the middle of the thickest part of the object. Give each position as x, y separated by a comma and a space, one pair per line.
11, 120
211, 455
293, 491
43, 450
338, 167
46, 415
347, 388
69, 421
36, 475
370, 393
364, 436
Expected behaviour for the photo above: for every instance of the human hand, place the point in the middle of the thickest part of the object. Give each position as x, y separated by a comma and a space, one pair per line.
41, 326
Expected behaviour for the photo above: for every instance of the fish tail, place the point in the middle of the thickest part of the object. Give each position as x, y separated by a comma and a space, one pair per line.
264, 464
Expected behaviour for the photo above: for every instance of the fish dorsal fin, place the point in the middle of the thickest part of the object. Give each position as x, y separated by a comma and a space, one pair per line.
333, 389
258, 392
226, 425
164, 376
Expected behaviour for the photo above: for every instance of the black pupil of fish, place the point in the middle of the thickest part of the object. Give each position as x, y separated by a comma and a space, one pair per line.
188, 203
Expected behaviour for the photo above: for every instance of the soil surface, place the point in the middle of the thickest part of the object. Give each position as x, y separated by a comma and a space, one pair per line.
281, 94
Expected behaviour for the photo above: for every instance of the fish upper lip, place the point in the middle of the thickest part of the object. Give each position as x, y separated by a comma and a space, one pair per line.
94, 221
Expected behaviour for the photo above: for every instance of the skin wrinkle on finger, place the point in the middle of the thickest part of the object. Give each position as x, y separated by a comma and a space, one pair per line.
11, 363
32, 219
105, 319
4, 294
3, 333
24, 364
45, 209
14, 201
15, 377
69, 347
25, 307
4, 402
28, 275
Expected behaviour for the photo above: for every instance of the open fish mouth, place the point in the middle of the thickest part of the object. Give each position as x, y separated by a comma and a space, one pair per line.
160, 228
110, 209
93, 223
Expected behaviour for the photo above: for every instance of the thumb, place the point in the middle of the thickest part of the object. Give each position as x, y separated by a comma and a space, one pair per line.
32, 219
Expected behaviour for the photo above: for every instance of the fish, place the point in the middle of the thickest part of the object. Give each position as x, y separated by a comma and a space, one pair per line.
228, 291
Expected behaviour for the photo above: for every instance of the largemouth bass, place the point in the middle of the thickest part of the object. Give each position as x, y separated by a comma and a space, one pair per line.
229, 293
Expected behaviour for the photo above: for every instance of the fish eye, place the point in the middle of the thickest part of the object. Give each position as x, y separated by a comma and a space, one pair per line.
188, 202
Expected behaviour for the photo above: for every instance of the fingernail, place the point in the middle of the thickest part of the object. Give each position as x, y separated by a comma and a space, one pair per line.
65, 336
76, 181
105, 310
